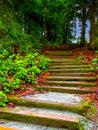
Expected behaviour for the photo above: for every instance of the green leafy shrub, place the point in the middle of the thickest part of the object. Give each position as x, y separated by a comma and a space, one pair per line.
18, 69
95, 63
3, 99
43, 62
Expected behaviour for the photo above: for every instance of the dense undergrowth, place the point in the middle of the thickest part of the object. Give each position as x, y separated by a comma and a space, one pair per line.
20, 61
17, 69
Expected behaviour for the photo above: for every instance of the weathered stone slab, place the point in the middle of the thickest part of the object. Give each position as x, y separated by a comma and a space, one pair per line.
71, 83
70, 78
74, 74
70, 70
60, 53
71, 90
71, 122
70, 66
81, 108
59, 60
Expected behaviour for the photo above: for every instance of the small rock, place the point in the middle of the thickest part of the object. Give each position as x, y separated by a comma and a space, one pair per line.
1, 121
11, 105
80, 86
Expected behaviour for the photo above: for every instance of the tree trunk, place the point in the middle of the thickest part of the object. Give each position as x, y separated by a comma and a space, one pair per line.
44, 22
92, 24
83, 25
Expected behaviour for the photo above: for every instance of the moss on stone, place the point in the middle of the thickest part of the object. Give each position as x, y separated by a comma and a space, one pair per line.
71, 66
60, 53
53, 78
82, 107
71, 84
36, 119
71, 70
70, 90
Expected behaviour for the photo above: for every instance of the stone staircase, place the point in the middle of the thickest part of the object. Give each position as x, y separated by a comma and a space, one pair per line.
68, 77
68, 73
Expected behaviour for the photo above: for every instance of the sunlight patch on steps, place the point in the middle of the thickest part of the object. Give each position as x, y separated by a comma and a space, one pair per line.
55, 97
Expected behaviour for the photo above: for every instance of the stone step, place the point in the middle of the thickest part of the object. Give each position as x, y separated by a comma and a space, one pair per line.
59, 53
70, 70
69, 66
59, 60
69, 78
67, 63
5, 128
27, 115
76, 104
28, 126
74, 74
71, 83
71, 90
55, 56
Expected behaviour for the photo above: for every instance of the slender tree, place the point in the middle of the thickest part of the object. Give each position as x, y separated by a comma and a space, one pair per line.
92, 6
83, 19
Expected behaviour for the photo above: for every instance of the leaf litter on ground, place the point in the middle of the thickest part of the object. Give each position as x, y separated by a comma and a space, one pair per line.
87, 55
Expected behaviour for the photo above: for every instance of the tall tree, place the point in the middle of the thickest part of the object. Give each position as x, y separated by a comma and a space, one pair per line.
93, 6
44, 21
83, 19
81, 14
